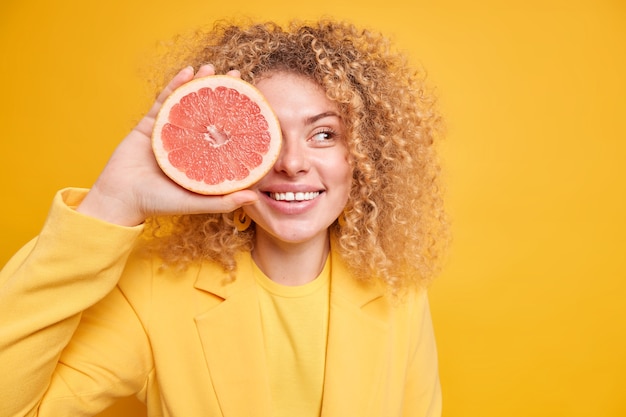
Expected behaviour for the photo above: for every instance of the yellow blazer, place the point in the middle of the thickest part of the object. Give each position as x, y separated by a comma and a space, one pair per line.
91, 322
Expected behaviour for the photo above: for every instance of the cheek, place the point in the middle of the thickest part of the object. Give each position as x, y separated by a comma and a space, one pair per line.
342, 172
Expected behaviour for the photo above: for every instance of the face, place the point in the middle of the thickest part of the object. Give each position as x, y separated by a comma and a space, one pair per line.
308, 186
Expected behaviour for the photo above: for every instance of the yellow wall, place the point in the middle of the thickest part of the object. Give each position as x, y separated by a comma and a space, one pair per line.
530, 310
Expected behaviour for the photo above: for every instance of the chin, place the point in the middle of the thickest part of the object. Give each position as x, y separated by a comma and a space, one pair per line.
296, 234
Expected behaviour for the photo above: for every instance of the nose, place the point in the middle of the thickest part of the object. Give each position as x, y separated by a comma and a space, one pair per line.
293, 159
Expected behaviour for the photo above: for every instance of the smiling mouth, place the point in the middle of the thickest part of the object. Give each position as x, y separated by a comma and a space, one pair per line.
291, 196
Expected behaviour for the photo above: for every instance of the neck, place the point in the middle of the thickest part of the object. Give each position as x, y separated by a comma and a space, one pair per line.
289, 263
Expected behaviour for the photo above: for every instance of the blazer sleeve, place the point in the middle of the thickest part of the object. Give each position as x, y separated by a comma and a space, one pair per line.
74, 263
423, 389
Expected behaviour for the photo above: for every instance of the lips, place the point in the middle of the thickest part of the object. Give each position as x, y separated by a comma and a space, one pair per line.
294, 196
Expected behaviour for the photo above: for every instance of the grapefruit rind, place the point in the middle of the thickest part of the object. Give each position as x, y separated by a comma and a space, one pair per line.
189, 179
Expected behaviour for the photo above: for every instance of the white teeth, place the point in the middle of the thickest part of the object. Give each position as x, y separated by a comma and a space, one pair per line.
290, 196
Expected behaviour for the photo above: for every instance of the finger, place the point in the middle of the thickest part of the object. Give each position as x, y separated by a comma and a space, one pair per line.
234, 73
183, 76
205, 70
242, 198
221, 204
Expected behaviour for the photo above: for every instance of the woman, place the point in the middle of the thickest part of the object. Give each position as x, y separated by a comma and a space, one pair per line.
301, 296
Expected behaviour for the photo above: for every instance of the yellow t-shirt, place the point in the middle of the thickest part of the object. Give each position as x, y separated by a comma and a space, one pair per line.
295, 331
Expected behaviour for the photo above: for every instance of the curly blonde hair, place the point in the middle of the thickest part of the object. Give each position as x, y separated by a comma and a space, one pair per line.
395, 226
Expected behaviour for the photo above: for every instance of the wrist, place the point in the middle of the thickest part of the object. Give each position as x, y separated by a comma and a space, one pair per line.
109, 209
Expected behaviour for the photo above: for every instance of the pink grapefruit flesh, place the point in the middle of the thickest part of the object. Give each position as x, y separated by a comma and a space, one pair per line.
215, 135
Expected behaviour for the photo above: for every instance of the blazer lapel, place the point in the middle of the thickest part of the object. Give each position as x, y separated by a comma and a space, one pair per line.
357, 346
231, 337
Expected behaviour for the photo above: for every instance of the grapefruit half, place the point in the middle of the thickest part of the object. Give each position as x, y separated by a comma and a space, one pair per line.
215, 135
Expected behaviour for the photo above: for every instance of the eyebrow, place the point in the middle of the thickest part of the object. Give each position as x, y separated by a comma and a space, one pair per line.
313, 119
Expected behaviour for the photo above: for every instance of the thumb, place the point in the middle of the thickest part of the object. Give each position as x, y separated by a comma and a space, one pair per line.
220, 204
242, 198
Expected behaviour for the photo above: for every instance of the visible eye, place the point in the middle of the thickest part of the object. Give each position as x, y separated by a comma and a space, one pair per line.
324, 136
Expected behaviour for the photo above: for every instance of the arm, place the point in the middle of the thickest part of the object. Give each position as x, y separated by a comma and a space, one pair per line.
79, 257
75, 262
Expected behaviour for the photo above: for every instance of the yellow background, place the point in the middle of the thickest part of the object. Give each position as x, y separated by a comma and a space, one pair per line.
530, 311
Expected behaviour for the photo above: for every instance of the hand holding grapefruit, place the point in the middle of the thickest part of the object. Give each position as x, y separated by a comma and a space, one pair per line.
132, 186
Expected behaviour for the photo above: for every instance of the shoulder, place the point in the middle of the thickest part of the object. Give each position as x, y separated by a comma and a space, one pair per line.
149, 283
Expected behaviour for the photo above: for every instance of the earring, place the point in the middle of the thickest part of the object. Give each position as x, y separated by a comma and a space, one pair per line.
242, 221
